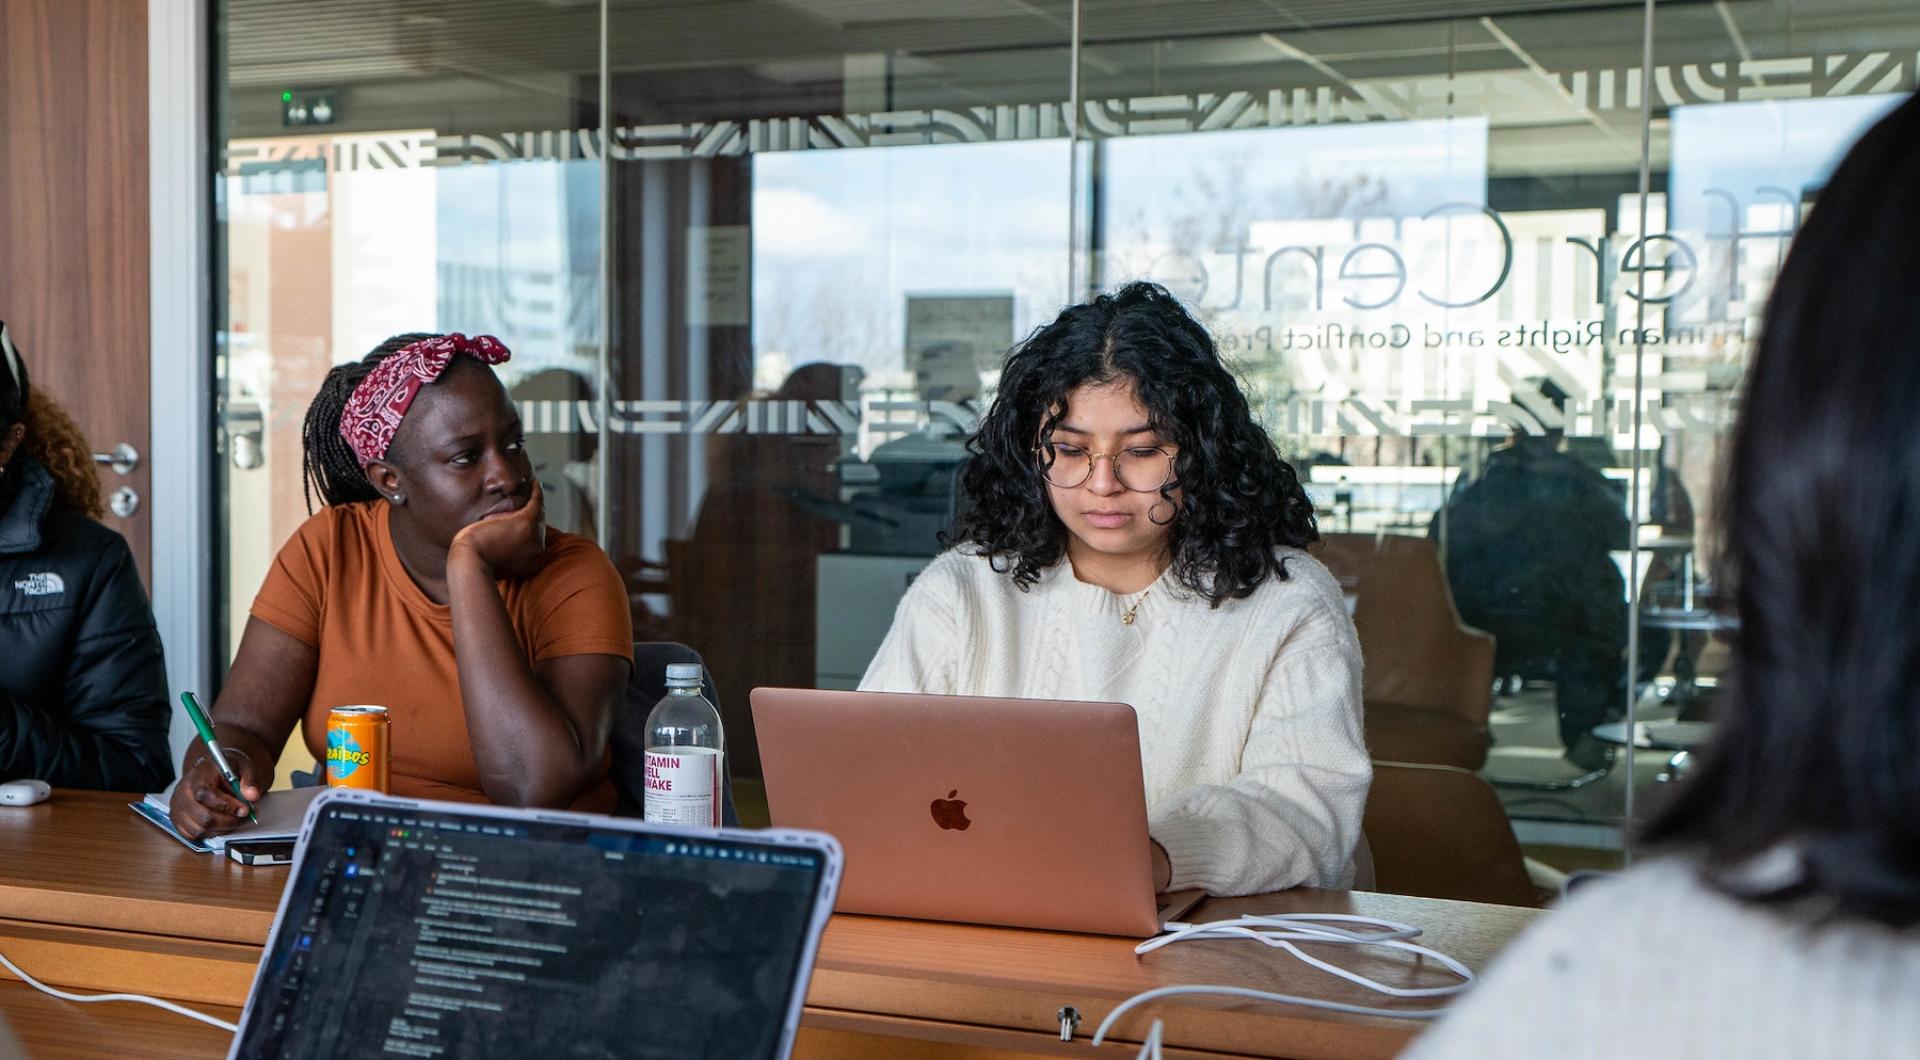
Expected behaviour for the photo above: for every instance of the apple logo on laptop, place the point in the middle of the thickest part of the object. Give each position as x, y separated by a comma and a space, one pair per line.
951, 812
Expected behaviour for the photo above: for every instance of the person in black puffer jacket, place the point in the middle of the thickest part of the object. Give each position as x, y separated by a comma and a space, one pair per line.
83, 686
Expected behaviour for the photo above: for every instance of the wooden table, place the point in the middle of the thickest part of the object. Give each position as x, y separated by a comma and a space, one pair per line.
51, 1029
94, 898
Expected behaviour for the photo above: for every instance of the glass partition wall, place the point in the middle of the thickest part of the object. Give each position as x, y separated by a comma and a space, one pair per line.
1490, 272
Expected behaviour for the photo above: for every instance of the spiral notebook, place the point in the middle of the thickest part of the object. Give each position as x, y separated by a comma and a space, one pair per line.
280, 813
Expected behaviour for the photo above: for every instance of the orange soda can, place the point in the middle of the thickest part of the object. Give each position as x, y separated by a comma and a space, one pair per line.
357, 752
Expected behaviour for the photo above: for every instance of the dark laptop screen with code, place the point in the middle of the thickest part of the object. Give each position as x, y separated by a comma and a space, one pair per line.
418, 932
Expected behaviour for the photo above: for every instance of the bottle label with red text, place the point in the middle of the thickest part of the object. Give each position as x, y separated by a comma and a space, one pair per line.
683, 786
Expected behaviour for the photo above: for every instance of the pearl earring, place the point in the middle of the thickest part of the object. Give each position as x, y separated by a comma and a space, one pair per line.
399, 498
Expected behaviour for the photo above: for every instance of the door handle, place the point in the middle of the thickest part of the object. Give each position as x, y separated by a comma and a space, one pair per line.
123, 459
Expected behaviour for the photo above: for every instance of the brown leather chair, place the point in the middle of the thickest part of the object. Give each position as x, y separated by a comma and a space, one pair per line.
1440, 832
742, 582
1429, 678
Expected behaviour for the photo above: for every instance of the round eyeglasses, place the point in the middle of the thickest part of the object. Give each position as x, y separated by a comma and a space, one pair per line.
1141, 469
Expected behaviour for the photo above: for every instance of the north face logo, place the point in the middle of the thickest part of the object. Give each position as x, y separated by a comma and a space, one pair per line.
47, 584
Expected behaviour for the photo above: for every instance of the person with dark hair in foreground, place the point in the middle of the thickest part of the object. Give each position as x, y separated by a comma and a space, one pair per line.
430, 585
1782, 922
1131, 535
83, 692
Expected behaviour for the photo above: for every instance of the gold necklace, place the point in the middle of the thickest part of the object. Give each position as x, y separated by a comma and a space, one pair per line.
1126, 617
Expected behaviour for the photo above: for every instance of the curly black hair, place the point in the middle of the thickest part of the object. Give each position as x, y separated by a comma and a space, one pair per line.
1239, 501
329, 468
52, 438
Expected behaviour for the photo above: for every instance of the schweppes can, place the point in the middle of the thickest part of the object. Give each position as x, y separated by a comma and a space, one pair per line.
357, 748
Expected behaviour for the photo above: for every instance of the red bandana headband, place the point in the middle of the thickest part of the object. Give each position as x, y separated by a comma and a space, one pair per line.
379, 403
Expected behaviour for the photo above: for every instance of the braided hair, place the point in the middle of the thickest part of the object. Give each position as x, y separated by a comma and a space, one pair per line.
330, 470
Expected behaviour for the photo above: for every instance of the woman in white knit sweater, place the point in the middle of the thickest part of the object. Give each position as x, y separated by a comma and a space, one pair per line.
1132, 536
1784, 918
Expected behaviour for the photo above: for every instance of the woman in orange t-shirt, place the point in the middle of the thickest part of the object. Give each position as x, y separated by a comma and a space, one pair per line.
430, 585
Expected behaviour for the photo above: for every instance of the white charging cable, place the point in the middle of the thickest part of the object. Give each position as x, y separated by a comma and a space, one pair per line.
1285, 931
140, 998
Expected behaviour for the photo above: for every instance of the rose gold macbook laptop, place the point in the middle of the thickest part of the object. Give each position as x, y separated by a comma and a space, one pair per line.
1017, 812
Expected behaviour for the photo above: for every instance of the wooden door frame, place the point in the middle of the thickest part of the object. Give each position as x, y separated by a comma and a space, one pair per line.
180, 172
73, 229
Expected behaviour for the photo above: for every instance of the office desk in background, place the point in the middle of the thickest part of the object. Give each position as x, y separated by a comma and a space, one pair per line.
94, 898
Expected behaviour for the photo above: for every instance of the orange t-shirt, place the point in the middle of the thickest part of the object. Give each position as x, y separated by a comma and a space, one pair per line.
339, 586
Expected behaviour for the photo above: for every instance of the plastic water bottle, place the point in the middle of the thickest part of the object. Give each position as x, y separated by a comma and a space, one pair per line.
686, 754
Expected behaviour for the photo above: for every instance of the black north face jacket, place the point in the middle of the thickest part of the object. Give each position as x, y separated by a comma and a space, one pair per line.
83, 687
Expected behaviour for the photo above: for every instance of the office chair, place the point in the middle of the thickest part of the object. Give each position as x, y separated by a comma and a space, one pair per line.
1440, 832
1429, 677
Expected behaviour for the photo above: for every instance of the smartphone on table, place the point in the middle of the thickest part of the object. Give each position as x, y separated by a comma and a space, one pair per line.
261, 851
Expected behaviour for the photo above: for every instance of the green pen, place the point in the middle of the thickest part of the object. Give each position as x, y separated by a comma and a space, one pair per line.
205, 726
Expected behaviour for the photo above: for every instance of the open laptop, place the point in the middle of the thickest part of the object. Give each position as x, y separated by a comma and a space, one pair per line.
436, 929
1017, 812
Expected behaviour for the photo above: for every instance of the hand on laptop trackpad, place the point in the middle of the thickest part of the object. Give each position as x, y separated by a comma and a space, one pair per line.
1175, 904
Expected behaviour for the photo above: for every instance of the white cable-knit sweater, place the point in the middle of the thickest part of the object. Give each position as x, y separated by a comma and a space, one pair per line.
1655, 964
1256, 773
